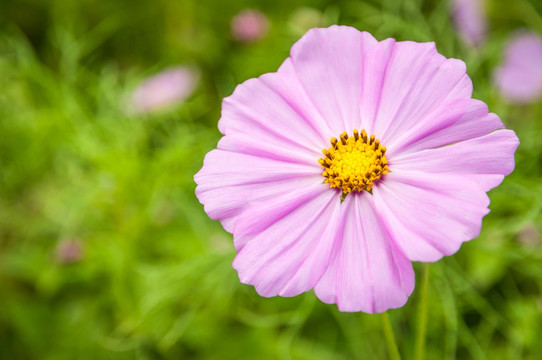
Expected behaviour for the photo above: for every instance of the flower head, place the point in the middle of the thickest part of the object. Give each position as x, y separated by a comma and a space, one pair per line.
519, 78
249, 26
354, 159
171, 86
470, 20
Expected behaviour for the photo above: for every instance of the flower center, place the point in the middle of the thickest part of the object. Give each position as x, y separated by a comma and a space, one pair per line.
354, 163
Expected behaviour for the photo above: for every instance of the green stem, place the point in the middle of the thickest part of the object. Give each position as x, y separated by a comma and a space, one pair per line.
390, 338
422, 316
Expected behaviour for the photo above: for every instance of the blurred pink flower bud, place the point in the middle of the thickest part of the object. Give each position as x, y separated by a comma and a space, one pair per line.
519, 78
529, 236
470, 21
249, 26
170, 87
69, 251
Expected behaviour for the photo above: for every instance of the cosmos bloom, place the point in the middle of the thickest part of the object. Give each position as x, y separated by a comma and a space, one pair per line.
519, 78
249, 26
354, 159
171, 86
470, 20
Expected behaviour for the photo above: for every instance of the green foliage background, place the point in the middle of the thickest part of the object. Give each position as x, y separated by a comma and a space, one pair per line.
155, 279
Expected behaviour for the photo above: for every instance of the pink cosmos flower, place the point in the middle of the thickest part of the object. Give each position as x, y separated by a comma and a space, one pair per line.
519, 78
470, 20
354, 159
249, 26
171, 86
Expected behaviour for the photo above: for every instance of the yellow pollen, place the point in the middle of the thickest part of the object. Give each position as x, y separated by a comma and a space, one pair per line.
354, 163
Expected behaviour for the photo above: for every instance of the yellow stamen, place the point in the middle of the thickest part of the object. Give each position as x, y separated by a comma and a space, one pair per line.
354, 163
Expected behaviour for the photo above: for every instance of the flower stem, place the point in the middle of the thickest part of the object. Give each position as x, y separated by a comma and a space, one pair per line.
393, 353
422, 316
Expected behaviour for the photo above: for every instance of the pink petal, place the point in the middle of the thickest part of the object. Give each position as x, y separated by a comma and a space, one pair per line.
289, 256
272, 108
247, 144
293, 92
329, 64
453, 121
438, 211
491, 154
366, 271
415, 248
226, 187
375, 65
416, 81
260, 215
